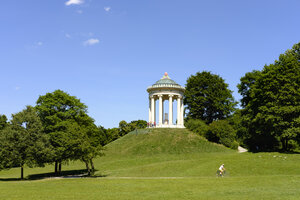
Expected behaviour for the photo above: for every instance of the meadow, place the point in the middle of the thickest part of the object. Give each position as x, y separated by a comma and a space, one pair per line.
164, 164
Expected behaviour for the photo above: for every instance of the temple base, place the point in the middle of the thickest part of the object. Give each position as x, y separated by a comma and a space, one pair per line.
167, 126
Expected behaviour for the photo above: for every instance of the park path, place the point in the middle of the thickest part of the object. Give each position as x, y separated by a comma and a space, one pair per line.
241, 149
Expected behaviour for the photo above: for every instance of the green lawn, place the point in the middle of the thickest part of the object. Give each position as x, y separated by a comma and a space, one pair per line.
166, 164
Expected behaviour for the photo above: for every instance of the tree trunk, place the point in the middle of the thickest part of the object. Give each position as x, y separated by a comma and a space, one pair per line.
22, 172
92, 165
88, 167
55, 168
59, 168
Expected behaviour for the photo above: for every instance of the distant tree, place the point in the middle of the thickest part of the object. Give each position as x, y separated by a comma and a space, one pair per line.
124, 128
3, 122
271, 101
113, 134
104, 136
208, 98
139, 124
24, 143
59, 112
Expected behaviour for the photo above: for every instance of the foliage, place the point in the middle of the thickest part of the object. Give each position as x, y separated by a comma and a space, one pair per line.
112, 134
72, 132
3, 122
197, 126
23, 142
236, 121
271, 101
223, 133
124, 128
139, 124
208, 98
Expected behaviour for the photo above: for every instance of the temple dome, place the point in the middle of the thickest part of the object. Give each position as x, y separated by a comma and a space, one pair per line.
165, 82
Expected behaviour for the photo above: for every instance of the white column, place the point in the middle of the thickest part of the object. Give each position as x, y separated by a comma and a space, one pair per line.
160, 112
152, 109
170, 110
163, 112
150, 115
178, 110
182, 113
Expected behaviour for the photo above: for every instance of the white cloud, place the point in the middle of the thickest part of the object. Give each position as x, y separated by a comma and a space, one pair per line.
90, 42
75, 2
79, 11
39, 44
107, 9
17, 88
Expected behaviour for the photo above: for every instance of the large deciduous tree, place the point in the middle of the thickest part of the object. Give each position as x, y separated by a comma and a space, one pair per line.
58, 112
207, 97
23, 142
271, 101
72, 132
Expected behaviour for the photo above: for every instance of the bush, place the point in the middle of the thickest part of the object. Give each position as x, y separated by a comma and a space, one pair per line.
197, 126
222, 132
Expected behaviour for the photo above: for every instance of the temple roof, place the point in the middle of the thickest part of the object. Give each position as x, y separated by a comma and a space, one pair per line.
165, 82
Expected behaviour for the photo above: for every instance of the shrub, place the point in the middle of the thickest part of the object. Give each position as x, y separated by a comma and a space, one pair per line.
222, 132
197, 126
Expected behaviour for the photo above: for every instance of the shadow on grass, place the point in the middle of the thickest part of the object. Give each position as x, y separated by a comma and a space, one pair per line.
82, 173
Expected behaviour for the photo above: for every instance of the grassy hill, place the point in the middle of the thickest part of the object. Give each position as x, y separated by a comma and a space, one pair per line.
162, 141
166, 164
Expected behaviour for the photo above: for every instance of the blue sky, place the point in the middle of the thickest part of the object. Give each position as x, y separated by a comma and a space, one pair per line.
107, 52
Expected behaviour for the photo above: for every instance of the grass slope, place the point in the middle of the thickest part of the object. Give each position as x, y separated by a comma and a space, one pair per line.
162, 141
166, 164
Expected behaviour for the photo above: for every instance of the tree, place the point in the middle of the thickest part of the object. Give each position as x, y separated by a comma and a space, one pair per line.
138, 124
3, 122
124, 128
272, 104
91, 145
208, 98
236, 121
113, 134
59, 112
246, 84
23, 142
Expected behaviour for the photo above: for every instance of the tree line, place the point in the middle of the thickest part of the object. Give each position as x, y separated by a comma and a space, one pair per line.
56, 131
269, 116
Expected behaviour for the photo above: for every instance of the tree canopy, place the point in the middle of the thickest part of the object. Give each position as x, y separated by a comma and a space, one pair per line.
3, 121
207, 97
23, 142
72, 132
271, 101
